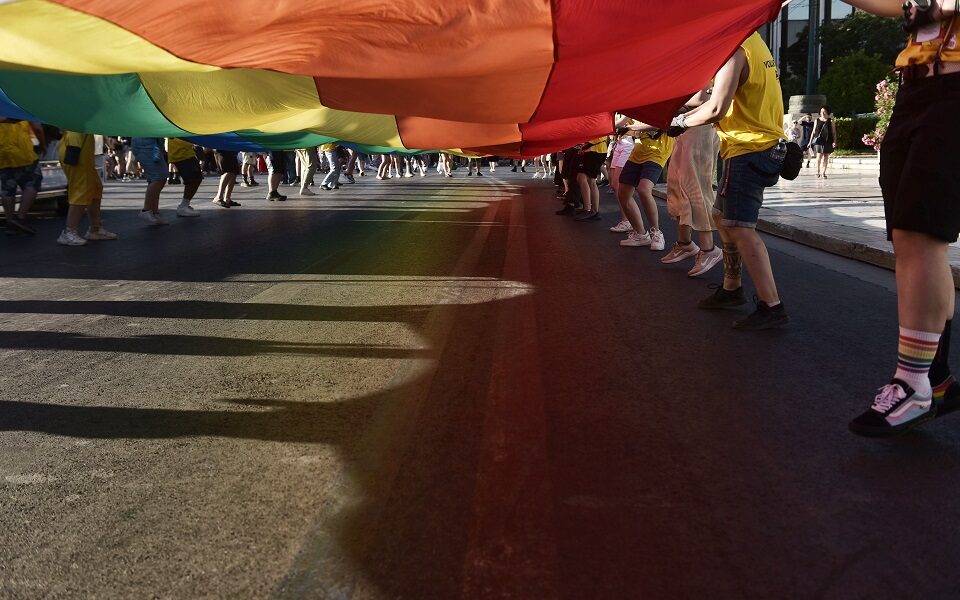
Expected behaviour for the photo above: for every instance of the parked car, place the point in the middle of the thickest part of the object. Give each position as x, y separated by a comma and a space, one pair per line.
53, 190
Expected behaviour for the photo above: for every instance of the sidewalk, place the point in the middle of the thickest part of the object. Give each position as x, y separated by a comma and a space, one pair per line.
842, 215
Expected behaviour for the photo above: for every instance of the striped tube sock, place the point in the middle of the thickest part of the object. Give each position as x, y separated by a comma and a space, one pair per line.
915, 355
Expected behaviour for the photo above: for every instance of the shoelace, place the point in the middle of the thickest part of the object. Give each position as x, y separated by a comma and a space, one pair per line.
888, 397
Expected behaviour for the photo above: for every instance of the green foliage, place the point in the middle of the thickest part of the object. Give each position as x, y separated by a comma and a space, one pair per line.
851, 132
850, 83
862, 32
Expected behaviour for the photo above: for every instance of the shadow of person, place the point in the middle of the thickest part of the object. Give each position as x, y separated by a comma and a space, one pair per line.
194, 345
254, 419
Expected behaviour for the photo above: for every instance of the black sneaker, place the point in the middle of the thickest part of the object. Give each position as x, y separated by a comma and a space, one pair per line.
566, 211
764, 317
479, 174
595, 216
232, 203
896, 410
349, 178
17, 224
584, 215
222, 203
722, 298
276, 196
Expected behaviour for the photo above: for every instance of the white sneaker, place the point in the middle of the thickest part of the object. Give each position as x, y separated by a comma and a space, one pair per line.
636, 240
149, 217
706, 261
100, 235
678, 253
71, 238
159, 219
306, 192
185, 210
623, 226
657, 243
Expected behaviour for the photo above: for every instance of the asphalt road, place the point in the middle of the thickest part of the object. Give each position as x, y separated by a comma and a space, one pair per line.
435, 388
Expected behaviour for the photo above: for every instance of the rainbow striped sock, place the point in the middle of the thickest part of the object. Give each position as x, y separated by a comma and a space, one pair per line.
915, 355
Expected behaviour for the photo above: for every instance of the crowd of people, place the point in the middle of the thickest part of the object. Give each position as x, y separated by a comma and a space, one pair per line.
738, 116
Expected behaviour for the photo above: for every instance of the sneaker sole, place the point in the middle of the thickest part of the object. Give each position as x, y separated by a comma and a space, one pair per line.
680, 258
703, 271
891, 432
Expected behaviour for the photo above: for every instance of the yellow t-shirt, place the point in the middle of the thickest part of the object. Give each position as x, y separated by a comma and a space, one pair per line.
598, 145
648, 149
83, 179
16, 145
178, 150
328, 147
923, 46
754, 122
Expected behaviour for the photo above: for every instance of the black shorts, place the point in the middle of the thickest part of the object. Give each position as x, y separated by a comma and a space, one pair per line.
277, 162
591, 163
918, 171
227, 161
571, 164
189, 170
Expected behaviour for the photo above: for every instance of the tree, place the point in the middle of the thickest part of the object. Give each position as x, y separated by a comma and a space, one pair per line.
850, 83
862, 32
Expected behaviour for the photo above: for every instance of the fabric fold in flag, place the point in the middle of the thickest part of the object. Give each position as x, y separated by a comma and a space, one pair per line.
518, 77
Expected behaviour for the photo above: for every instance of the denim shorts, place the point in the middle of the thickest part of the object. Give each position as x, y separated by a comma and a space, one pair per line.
26, 178
151, 158
744, 179
633, 173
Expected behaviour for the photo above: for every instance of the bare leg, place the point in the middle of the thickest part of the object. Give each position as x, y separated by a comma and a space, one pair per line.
629, 207
74, 215
645, 191
925, 293
26, 202
151, 199
757, 260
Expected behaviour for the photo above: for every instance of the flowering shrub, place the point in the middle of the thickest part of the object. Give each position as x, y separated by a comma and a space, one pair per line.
886, 98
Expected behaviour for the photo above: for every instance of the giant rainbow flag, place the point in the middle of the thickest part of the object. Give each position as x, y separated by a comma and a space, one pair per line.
507, 77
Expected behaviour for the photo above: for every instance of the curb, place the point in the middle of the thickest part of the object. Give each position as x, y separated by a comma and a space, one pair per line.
834, 244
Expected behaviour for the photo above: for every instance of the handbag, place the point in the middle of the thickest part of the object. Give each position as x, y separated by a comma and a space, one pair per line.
71, 156
792, 162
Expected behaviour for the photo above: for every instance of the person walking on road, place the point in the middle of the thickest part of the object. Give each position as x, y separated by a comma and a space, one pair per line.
332, 154
806, 135
747, 108
592, 156
642, 171
229, 166
921, 194
19, 169
84, 190
149, 153
691, 197
824, 140
309, 161
183, 156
